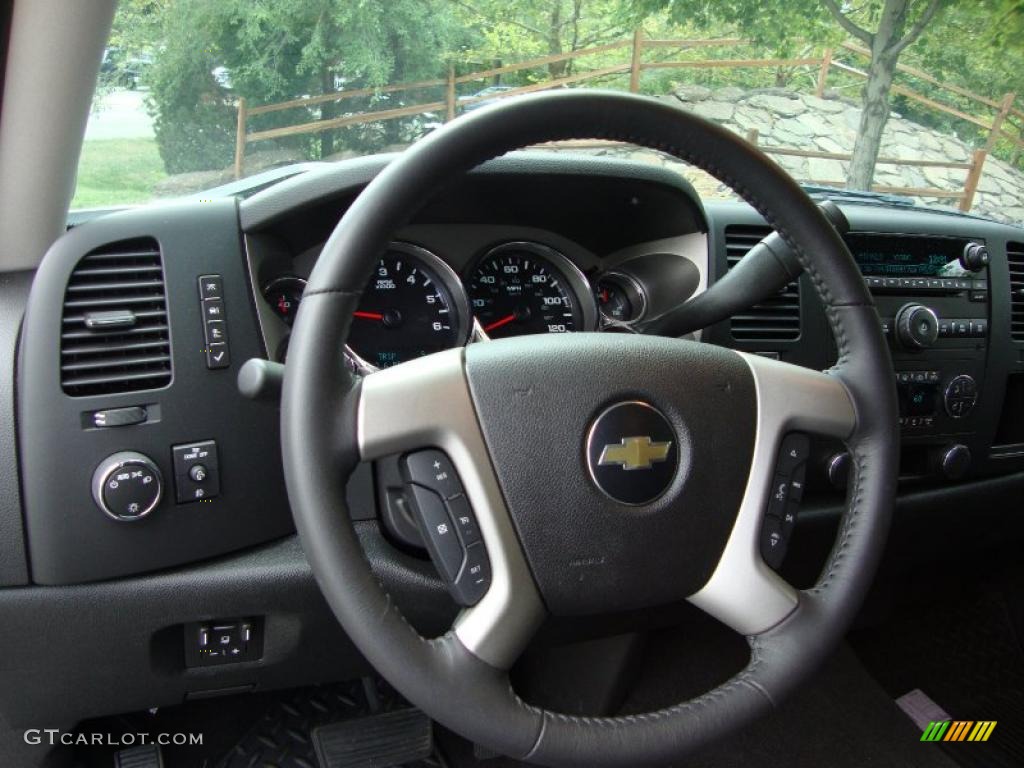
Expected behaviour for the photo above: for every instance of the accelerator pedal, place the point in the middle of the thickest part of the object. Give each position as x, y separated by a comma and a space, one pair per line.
378, 741
145, 756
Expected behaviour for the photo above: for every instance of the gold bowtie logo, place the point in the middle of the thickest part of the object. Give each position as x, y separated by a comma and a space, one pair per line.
634, 453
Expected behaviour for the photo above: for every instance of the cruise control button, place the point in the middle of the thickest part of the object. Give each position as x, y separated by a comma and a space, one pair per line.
476, 576
464, 519
434, 470
438, 532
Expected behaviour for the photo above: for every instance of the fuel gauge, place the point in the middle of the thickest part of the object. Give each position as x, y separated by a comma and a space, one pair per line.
284, 294
619, 299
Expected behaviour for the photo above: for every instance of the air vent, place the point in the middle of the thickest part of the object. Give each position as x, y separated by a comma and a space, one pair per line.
1015, 261
114, 332
775, 319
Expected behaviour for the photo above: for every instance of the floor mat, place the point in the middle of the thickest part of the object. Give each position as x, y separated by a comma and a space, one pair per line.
965, 654
282, 737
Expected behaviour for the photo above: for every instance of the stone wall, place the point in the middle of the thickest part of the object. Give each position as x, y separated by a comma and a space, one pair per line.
803, 121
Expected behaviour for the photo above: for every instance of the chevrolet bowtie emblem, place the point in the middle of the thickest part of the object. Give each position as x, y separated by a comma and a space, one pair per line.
634, 453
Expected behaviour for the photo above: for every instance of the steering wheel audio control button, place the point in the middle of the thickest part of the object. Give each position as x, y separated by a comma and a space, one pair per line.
773, 541
796, 447
438, 532
434, 470
784, 499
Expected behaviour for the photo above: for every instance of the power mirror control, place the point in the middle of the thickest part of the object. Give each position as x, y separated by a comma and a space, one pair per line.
127, 486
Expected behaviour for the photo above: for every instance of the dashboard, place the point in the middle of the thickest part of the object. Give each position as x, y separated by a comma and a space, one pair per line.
138, 323
160, 307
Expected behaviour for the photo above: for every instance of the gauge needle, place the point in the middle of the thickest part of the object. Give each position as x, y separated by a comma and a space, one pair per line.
368, 315
498, 323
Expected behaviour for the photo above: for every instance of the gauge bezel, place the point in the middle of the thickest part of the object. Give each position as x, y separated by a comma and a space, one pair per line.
634, 292
581, 288
269, 286
465, 320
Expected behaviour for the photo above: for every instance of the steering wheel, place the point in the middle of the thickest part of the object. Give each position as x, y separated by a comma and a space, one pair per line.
549, 437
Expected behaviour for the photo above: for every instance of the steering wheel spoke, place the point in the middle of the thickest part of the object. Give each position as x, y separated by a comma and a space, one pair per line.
426, 403
620, 458
744, 592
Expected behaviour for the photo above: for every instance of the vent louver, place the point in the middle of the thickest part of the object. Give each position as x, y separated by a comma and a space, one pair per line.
114, 331
776, 318
1015, 262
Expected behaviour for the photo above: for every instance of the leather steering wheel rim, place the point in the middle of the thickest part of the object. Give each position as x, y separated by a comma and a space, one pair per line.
462, 687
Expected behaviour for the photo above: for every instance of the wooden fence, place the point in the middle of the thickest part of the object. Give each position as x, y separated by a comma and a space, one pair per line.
996, 126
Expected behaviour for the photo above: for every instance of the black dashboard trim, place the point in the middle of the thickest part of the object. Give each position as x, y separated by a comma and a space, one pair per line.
269, 206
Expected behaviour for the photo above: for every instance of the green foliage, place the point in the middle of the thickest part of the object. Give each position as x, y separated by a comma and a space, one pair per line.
117, 172
507, 30
276, 50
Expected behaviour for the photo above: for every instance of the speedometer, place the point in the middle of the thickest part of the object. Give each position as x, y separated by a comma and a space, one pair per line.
412, 306
520, 288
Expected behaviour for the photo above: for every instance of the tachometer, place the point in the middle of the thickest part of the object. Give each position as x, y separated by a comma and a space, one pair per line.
412, 306
520, 288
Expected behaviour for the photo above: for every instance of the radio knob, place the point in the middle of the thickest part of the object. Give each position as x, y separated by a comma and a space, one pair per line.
838, 469
975, 257
955, 461
127, 486
917, 326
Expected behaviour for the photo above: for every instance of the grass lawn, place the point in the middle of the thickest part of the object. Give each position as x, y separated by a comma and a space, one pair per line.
117, 172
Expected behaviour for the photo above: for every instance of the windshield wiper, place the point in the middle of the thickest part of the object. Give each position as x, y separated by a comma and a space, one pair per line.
820, 191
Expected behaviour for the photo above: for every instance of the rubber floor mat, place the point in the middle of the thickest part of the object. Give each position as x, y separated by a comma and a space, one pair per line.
964, 654
282, 737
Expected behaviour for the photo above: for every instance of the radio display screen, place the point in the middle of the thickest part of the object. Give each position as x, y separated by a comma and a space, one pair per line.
908, 256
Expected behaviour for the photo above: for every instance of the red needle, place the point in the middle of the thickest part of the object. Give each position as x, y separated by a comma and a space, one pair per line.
368, 315
498, 323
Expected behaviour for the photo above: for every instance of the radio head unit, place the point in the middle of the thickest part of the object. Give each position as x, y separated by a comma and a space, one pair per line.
910, 255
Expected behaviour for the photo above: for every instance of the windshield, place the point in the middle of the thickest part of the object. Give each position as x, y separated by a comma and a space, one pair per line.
912, 98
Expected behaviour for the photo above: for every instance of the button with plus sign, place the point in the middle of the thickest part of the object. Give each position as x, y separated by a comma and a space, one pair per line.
434, 470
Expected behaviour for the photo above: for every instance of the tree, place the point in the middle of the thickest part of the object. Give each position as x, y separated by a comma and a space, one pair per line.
275, 50
895, 30
525, 28
886, 27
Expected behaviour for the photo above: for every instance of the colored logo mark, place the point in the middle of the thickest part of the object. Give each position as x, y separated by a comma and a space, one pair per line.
959, 730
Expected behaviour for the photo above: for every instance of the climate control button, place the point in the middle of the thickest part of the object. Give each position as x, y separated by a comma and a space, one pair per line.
127, 486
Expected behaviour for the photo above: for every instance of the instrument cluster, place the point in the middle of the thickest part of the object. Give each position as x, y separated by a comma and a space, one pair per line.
415, 304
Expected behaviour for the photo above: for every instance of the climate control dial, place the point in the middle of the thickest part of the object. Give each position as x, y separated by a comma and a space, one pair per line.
961, 396
127, 486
